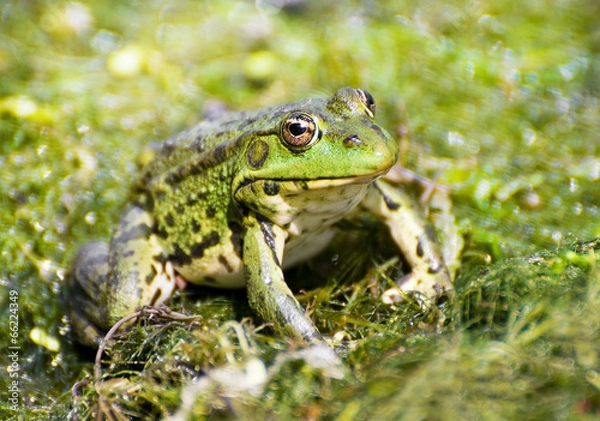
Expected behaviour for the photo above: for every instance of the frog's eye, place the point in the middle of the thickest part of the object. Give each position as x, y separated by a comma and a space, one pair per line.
368, 100
299, 130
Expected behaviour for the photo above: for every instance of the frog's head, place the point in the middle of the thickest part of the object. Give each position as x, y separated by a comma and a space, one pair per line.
315, 144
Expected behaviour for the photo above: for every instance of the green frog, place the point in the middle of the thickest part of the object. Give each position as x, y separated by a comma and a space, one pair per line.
234, 201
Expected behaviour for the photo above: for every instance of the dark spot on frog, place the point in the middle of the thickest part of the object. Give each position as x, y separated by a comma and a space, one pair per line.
236, 237
303, 185
266, 228
257, 154
155, 297
179, 257
271, 188
179, 209
210, 280
174, 178
419, 248
391, 205
191, 201
161, 258
195, 226
219, 153
128, 253
150, 277
169, 220
223, 261
210, 212
160, 232
212, 239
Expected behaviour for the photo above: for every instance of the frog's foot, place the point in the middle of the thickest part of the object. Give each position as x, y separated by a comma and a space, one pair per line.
85, 332
428, 289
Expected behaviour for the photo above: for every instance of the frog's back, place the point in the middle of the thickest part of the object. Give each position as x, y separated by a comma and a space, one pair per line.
226, 134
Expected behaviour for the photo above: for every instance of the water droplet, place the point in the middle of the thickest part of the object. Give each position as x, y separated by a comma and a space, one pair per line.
90, 218
556, 236
455, 139
573, 185
528, 136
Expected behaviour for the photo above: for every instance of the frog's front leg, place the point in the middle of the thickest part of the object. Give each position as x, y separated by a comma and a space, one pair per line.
109, 283
415, 238
268, 294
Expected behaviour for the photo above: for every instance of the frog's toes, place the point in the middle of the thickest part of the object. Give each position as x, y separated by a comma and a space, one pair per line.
85, 332
426, 288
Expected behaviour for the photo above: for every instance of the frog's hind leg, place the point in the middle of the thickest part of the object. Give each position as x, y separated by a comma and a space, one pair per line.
109, 283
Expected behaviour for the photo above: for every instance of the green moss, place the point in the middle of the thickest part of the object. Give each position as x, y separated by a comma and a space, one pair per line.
497, 100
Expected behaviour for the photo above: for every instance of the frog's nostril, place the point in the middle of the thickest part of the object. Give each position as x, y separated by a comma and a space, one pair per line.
352, 141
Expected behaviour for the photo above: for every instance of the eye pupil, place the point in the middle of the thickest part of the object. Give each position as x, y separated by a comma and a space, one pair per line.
297, 129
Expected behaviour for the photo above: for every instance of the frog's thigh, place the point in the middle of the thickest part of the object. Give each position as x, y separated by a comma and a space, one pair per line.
415, 238
268, 294
139, 277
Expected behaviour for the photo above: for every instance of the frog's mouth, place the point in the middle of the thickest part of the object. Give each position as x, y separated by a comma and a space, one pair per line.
325, 183
273, 185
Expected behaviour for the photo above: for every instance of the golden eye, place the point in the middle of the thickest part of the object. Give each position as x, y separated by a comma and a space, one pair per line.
368, 101
299, 130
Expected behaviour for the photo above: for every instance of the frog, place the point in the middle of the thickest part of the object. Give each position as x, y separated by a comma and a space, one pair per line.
238, 199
